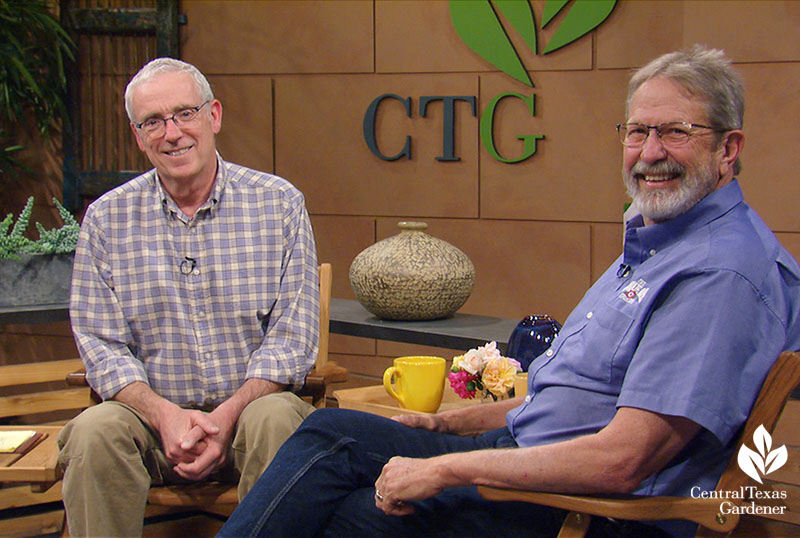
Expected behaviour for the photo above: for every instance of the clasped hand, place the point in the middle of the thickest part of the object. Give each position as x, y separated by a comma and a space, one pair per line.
195, 442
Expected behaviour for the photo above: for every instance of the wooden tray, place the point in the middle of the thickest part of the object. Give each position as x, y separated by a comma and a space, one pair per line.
7, 458
376, 400
39, 463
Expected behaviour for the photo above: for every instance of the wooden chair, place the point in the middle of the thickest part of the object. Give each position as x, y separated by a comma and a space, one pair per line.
35, 394
221, 498
780, 417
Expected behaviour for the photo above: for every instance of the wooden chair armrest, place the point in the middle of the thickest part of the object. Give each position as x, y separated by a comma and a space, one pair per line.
77, 378
330, 372
316, 379
702, 511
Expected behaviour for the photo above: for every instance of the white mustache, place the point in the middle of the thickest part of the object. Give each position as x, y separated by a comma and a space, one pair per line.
663, 167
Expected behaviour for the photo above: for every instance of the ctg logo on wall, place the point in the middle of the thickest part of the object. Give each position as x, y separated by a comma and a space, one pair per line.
480, 25
756, 464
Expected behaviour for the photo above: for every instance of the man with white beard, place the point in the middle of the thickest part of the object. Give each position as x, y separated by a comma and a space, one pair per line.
643, 390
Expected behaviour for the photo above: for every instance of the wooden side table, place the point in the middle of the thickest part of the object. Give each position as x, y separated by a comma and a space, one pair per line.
37, 467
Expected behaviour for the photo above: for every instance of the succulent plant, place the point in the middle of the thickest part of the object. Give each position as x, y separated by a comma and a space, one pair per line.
13, 242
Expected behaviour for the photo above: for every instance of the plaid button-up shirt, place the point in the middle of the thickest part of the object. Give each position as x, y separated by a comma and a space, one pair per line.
194, 307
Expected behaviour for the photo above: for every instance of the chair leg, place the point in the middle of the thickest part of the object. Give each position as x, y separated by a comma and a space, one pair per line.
64, 527
575, 525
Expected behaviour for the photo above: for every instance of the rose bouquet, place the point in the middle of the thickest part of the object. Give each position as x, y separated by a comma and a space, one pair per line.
483, 370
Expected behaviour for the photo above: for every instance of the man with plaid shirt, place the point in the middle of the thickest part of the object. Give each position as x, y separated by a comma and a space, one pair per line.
195, 308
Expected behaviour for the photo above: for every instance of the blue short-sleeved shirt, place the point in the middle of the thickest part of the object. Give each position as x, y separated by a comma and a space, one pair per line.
687, 323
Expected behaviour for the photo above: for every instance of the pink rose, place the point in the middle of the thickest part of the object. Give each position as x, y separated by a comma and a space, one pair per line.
460, 381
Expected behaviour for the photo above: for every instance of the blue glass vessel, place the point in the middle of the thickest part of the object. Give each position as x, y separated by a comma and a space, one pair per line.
531, 337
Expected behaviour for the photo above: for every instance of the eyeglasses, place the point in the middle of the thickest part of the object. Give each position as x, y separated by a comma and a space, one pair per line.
157, 126
672, 134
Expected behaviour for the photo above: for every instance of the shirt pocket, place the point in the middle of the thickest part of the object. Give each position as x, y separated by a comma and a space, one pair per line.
597, 349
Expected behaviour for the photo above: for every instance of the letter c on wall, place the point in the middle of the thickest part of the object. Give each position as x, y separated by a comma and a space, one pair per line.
369, 127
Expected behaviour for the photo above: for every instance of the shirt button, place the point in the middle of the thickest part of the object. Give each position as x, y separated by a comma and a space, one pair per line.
209, 355
201, 314
652, 252
549, 352
196, 272
589, 315
528, 398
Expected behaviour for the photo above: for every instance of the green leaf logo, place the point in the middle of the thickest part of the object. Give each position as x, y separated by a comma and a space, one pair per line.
478, 25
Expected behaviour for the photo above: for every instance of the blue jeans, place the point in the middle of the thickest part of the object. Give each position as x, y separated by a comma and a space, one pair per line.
322, 484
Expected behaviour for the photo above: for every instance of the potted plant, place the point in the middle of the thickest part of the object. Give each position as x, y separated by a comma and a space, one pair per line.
35, 272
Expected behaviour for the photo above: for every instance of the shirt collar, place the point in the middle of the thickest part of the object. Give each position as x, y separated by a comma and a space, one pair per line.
641, 240
170, 207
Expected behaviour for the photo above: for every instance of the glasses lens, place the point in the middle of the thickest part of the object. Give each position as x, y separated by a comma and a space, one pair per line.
632, 134
185, 116
153, 126
157, 126
674, 134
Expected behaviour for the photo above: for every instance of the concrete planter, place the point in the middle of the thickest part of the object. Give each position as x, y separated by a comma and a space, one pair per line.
35, 279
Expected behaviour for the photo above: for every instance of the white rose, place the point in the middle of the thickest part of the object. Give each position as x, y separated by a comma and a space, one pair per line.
472, 362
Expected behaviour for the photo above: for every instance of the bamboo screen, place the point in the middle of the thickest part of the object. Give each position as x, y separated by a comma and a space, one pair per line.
106, 62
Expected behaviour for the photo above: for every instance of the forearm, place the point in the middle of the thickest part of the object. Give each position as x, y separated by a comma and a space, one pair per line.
228, 411
142, 398
563, 467
614, 460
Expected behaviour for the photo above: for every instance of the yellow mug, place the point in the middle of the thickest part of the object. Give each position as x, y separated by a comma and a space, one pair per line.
521, 384
418, 382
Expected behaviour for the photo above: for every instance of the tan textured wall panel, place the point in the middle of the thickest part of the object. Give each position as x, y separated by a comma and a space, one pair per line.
418, 36
521, 267
769, 178
229, 36
606, 246
575, 173
749, 31
638, 31
791, 242
339, 240
246, 134
320, 145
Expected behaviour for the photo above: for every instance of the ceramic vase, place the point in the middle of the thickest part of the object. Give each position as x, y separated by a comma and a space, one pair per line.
35, 279
531, 337
412, 276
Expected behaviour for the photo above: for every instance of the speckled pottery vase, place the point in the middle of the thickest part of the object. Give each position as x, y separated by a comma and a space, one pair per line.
412, 276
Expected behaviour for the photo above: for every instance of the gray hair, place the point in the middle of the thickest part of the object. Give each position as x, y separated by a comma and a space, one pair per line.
705, 73
165, 65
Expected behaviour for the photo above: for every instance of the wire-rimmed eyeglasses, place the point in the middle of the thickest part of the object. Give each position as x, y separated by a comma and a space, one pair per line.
157, 126
671, 134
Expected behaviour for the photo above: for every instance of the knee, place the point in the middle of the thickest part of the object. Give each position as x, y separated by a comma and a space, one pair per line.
282, 409
333, 420
100, 429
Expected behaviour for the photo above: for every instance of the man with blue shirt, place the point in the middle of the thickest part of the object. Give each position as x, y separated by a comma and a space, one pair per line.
642, 391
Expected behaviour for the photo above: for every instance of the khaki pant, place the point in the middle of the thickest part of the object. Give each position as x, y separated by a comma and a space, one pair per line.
111, 456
